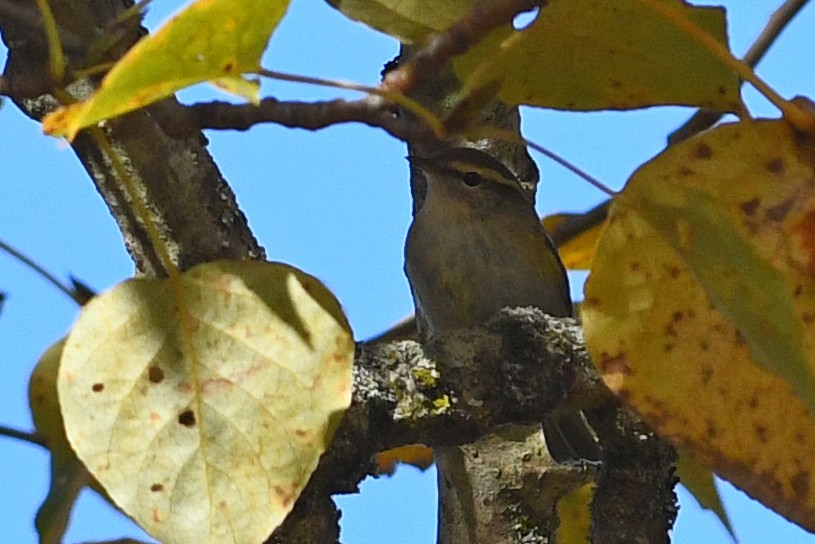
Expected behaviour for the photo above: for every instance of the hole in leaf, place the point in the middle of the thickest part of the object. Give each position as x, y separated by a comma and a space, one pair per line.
98, 387
155, 374
523, 20
187, 418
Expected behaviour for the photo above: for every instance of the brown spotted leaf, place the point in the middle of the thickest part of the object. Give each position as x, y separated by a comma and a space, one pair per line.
700, 307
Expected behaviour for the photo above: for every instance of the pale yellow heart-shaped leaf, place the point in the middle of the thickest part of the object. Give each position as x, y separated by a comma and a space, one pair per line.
203, 406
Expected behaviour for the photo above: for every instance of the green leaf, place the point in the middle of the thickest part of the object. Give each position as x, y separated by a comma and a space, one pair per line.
699, 481
68, 474
210, 40
203, 409
604, 54
408, 20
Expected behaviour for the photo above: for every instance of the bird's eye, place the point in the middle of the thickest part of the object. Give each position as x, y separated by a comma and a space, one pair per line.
473, 179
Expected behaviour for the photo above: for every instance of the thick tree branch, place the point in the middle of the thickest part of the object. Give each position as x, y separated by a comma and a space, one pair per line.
190, 202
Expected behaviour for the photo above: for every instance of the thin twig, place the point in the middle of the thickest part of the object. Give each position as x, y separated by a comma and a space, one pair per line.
704, 119
41, 271
30, 437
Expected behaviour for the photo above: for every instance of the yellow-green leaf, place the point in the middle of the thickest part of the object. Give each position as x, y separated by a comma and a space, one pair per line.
699, 308
408, 20
577, 252
204, 410
604, 54
209, 40
700, 482
68, 474
575, 515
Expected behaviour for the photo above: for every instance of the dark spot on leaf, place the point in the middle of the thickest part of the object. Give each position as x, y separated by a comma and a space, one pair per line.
711, 429
228, 67
722, 90
800, 484
808, 317
98, 387
155, 374
753, 404
799, 289
187, 418
155, 488
779, 212
704, 345
761, 433
703, 151
749, 207
685, 171
707, 373
776, 166
635, 267
669, 348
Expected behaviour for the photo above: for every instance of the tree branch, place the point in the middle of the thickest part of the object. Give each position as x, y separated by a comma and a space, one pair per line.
426, 61
371, 111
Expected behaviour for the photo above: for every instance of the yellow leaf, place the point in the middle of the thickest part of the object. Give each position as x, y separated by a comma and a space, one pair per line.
203, 413
578, 251
209, 40
699, 481
417, 455
604, 54
575, 516
68, 474
408, 20
699, 308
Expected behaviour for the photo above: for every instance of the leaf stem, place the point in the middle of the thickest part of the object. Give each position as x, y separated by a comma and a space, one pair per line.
435, 124
799, 117
56, 55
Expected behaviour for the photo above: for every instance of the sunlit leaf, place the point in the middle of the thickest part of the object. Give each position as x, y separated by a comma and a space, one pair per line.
416, 455
604, 54
700, 307
209, 40
203, 411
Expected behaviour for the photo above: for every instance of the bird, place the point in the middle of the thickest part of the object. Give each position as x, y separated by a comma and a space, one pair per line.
475, 246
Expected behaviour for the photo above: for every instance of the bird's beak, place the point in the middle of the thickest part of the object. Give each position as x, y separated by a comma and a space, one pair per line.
421, 163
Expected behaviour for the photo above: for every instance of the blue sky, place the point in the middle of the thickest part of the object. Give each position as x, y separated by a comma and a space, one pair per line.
336, 204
